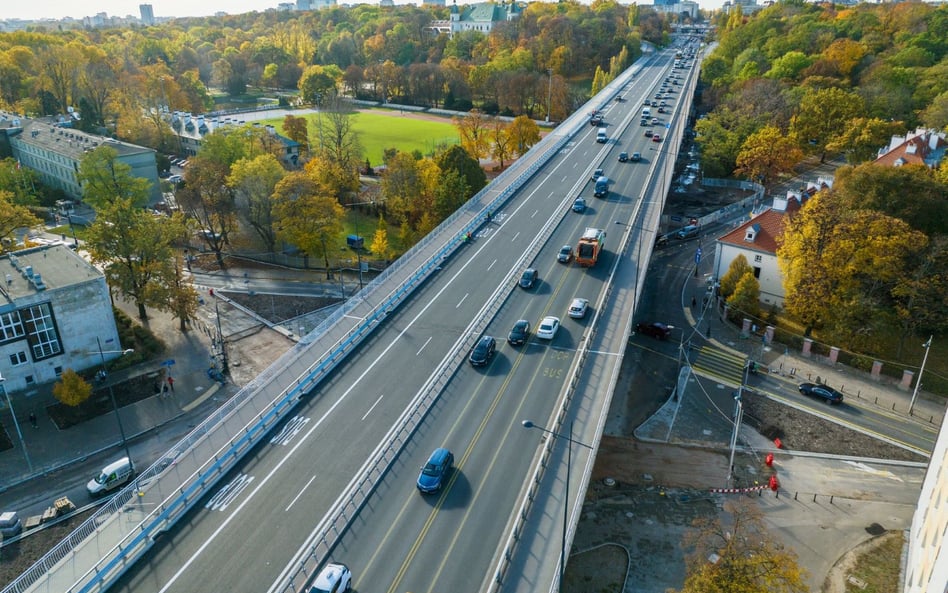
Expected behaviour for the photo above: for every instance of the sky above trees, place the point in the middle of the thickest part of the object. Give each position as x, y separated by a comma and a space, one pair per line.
57, 9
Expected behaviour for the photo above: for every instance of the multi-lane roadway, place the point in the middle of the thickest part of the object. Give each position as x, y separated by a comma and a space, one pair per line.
243, 536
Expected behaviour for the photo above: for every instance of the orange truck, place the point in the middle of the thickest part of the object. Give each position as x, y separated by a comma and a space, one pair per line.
590, 244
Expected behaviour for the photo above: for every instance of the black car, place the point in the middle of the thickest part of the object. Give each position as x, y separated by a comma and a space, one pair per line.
519, 333
824, 392
528, 278
483, 351
654, 329
623, 157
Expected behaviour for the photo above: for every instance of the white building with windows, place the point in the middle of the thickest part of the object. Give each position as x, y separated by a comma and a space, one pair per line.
53, 306
54, 151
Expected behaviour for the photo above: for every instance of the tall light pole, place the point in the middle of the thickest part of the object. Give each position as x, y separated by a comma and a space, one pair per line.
568, 437
16, 424
738, 417
918, 382
105, 376
549, 97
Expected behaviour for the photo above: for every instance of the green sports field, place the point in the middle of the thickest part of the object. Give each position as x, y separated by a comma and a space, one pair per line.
379, 129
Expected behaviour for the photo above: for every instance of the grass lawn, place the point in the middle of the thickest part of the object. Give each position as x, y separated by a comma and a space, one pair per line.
379, 129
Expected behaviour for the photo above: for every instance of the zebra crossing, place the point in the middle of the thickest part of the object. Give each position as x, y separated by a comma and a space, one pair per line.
721, 365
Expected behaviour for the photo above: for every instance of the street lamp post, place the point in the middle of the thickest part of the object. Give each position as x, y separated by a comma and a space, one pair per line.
105, 376
738, 417
549, 97
918, 382
16, 424
568, 437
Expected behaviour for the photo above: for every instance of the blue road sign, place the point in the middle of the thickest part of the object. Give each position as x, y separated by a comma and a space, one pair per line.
168, 363
698, 255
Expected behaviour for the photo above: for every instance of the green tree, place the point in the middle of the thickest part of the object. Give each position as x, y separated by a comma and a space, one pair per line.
738, 268
457, 159
747, 558
13, 216
71, 389
208, 200
319, 82
862, 137
106, 179
253, 182
340, 146
823, 115
450, 194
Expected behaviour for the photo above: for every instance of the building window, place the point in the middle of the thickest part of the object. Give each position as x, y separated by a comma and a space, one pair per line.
11, 327
18, 358
41, 331
58, 371
758, 258
757, 272
30, 380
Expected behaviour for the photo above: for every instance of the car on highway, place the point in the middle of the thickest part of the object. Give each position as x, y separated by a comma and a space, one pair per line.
597, 174
636, 157
335, 577
579, 205
435, 471
824, 392
528, 278
623, 157
548, 327
657, 138
655, 329
519, 333
482, 352
578, 308
565, 254
648, 133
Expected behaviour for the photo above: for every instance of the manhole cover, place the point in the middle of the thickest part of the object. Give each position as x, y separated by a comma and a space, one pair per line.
875, 529
609, 482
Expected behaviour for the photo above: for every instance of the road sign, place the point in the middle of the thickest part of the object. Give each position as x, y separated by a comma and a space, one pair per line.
698, 255
168, 363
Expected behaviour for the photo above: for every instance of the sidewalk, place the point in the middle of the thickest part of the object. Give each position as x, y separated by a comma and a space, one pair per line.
50, 449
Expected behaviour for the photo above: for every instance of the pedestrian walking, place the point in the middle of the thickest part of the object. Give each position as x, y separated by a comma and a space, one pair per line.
171, 383
694, 302
33, 420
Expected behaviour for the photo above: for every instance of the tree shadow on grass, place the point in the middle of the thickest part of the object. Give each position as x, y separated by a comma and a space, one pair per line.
127, 392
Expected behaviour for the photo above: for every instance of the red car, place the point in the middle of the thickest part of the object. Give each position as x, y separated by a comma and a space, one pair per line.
656, 138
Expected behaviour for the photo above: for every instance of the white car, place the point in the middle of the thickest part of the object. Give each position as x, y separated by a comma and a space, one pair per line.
335, 577
548, 327
578, 308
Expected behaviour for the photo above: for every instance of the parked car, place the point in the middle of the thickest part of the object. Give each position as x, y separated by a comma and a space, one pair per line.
335, 577
654, 329
519, 333
175, 179
528, 278
623, 157
435, 471
579, 205
483, 351
548, 328
824, 392
565, 255
578, 308
10, 525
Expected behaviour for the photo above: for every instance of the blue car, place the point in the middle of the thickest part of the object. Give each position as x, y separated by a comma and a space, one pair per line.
434, 472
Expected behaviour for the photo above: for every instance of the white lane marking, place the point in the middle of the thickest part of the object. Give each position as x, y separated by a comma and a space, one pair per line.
289, 430
297, 497
423, 345
463, 298
514, 238
534, 215
373, 406
491, 264
228, 493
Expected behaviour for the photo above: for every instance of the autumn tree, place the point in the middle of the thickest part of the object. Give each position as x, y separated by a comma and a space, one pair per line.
523, 133
404, 189
13, 216
380, 245
739, 555
823, 115
501, 144
105, 179
312, 222
339, 144
296, 129
746, 296
862, 137
71, 389
767, 154
207, 199
474, 131
739, 266
319, 82
253, 182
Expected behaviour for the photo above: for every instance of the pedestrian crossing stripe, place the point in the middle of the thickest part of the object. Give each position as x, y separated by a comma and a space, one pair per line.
721, 365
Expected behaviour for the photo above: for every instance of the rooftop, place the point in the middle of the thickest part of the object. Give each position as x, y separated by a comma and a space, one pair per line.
52, 136
56, 265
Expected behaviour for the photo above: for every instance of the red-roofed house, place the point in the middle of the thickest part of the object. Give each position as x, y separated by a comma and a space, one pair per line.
921, 147
756, 240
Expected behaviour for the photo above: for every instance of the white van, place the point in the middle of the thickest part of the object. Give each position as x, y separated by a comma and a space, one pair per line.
111, 477
646, 112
